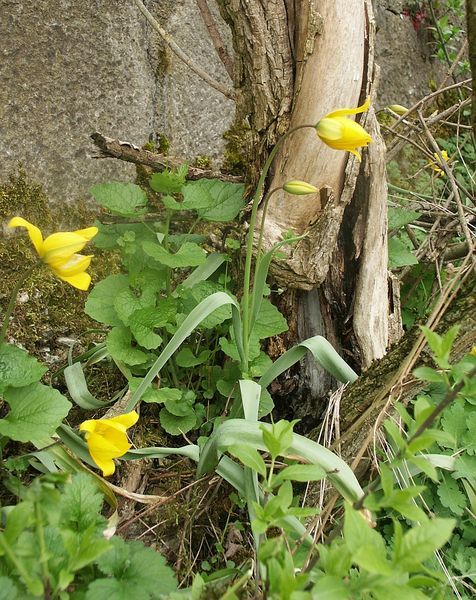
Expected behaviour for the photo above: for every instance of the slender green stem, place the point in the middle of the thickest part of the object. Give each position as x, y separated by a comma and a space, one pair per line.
12, 302
261, 229
41, 539
249, 243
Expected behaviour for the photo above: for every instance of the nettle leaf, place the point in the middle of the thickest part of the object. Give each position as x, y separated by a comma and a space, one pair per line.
169, 181
193, 296
269, 322
100, 302
186, 358
143, 322
18, 368
8, 589
81, 504
250, 457
123, 199
214, 200
451, 496
188, 255
398, 217
36, 411
454, 422
153, 394
119, 345
399, 255
135, 571
177, 425
128, 302
183, 406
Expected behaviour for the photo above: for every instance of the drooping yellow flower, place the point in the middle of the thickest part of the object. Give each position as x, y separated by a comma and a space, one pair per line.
107, 439
299, 188
436, 164
59, 251
341, 133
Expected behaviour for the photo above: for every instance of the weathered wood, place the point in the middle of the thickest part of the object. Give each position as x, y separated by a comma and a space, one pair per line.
111, 148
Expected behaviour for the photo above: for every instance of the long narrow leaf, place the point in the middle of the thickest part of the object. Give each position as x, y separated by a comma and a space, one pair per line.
203, 272
192, 321
261, 276
239, 431
250, 395
323, 352
78, 388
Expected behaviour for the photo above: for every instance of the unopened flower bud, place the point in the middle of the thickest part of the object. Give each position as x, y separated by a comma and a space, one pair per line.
299, 188
398, 108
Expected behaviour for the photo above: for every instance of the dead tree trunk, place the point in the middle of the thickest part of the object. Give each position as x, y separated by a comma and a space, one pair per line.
295, 62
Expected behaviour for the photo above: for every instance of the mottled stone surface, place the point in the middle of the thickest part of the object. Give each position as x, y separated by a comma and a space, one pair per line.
403, 54
69, 68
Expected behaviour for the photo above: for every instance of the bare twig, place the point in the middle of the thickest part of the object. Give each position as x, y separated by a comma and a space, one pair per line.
112, 148
229, 93
215, 36
454, 187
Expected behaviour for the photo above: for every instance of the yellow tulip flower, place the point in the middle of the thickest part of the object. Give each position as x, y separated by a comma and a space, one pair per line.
58, 251
107, 439
341, 133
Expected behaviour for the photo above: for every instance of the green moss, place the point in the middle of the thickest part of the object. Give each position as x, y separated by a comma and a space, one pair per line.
237, 149
202, 162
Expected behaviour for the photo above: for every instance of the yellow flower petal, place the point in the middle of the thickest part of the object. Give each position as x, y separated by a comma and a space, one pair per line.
87, 233
342, 112
74, 265
127, 419
33, 231
81, 281
62, 245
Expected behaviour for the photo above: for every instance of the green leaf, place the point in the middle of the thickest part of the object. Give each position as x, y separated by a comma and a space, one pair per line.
156, 395
124, 199
143, 322
127, 302
302, 473
330, 587
177, 425
188, 255
169, 181
119, 344
192, 297
421, 541
428, 374
78, 388
18, 368
183, 406
8, 589
186, 358
81, 504
136, 572
213, 199
100, 302
399, 255
451, 496
398, 217
36, 411
249, 457
358, 532
373, 560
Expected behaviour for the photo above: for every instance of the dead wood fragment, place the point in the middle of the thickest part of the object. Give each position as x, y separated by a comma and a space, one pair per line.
111, 148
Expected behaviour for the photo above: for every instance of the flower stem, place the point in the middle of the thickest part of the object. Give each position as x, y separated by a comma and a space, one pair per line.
249, 243
12, 302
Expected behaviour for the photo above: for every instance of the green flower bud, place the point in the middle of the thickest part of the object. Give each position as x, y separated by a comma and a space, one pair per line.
299, 188
398, 108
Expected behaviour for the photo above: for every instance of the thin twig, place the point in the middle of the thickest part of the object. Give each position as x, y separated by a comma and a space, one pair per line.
229, 93
215, 36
